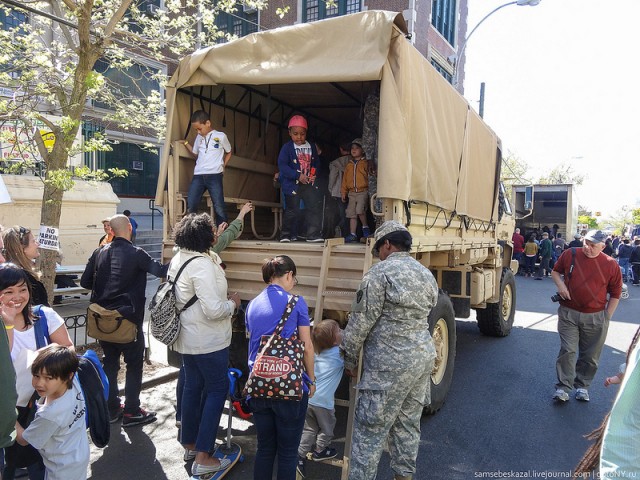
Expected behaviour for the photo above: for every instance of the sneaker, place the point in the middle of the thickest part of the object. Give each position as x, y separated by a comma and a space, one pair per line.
142, 417
561, 395
198, 469
294, 239
582, 394
189, 454
117, 415
315, 239
325, 454
285, 240
301, 468
365, 232
352, 237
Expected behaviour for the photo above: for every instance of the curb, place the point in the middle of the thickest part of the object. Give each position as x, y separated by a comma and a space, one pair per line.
164, 375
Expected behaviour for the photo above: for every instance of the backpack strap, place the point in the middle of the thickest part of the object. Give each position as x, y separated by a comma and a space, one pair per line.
193, 299
41, 328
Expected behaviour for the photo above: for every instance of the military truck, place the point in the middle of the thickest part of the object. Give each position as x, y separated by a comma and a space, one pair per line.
438, 165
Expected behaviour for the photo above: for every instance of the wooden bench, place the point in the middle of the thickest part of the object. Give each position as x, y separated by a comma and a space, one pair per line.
235, 165
275, 207
72, 270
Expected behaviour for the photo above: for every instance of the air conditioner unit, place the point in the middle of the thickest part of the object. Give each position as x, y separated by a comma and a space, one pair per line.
152, 9
248, 8
137, 165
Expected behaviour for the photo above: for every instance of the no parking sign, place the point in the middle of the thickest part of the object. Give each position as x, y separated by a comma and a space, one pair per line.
48, 238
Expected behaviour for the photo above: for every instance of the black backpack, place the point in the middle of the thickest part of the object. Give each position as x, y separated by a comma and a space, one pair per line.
93, 381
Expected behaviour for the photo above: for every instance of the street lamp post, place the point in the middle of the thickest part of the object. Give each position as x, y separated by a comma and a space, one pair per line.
522, 3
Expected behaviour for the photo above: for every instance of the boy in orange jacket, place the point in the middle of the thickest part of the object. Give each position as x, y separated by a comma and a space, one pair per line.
355, 187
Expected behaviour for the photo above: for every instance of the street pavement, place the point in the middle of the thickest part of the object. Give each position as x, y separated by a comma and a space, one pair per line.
499, 418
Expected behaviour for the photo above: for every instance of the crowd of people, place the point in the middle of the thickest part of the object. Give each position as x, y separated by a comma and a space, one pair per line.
537, 251
387, 337
289, 431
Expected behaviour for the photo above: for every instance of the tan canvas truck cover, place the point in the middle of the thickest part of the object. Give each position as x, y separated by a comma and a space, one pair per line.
432, 147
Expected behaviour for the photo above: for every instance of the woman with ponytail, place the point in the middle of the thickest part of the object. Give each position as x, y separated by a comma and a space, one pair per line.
279, 422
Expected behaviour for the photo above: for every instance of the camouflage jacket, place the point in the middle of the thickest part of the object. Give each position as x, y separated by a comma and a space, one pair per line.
389, 317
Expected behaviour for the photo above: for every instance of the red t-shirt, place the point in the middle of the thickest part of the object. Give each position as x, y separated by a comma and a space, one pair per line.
518, 243
591, 280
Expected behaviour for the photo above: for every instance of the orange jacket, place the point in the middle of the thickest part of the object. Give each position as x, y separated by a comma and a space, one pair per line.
356, 177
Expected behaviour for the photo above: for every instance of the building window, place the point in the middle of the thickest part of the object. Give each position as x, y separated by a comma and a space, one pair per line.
93, 160
239, 23
443, 18
442, 71
142, 164
137, 81
147, 8
12, 19
319, 9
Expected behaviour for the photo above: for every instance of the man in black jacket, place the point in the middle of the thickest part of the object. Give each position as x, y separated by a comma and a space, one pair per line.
117, 275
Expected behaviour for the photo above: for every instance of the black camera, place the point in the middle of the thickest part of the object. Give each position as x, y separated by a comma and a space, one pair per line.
556, 297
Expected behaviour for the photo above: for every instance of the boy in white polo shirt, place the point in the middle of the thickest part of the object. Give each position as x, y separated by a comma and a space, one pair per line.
212, 152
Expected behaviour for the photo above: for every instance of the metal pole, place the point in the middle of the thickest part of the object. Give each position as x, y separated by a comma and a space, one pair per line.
481, 109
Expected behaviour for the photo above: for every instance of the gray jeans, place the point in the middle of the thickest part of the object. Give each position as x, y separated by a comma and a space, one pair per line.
318, 429
582, 335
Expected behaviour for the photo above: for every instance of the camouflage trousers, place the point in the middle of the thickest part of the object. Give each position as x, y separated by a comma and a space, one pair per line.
390, 415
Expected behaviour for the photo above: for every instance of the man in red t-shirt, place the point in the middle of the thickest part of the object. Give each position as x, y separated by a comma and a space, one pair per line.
518, 245
584, 276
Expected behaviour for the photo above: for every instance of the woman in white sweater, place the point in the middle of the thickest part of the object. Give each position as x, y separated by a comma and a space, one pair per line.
204, 339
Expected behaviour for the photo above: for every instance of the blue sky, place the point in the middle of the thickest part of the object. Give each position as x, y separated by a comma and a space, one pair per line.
562, 83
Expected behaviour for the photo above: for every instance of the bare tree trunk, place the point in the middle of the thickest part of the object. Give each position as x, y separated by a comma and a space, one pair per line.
50, 217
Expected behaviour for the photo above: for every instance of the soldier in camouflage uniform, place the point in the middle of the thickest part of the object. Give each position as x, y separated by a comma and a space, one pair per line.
389, 322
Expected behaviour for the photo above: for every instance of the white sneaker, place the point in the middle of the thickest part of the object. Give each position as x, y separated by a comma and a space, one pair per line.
582, 394
198, 469
561, 395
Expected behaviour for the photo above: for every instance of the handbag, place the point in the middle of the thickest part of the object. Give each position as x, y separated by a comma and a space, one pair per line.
277, 371
109, 325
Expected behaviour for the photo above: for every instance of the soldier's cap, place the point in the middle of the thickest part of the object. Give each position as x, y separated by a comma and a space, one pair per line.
595, 236
545, 234
106, 220
385, 229
357, 141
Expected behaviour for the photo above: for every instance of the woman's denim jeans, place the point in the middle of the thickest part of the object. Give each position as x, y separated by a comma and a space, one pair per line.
205, 391
279, 426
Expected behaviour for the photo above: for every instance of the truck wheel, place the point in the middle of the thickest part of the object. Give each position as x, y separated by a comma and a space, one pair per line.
442, 325
497, 319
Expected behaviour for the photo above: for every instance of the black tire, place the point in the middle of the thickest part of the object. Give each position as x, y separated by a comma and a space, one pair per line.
497, 319
442, 326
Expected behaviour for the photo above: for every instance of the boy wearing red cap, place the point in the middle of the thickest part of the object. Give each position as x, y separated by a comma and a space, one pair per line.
298, 162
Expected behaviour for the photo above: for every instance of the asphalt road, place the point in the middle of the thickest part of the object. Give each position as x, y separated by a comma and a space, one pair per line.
498, 420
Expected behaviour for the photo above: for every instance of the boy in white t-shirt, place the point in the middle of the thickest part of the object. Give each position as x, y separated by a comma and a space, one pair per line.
212, 152
59, 429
